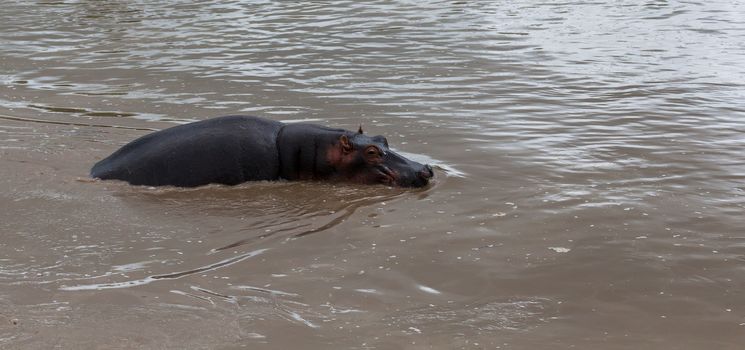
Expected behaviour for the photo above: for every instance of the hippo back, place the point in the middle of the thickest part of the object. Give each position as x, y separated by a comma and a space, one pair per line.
226, 150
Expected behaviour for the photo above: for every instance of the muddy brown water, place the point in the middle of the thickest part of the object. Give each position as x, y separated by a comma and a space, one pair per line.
589, 193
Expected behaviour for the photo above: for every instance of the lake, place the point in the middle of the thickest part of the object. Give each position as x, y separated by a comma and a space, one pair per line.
589, 176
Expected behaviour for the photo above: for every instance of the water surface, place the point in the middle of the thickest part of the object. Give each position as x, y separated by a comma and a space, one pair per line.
589, 190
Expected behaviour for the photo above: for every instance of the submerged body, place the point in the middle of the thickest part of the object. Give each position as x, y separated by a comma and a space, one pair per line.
235, 149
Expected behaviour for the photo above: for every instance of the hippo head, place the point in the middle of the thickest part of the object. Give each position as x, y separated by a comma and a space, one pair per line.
365, 159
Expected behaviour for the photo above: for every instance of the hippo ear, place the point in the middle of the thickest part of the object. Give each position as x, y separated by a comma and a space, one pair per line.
360, 130
346, 145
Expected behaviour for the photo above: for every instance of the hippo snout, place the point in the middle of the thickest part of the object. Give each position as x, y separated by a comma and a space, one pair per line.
426, 173
418, 178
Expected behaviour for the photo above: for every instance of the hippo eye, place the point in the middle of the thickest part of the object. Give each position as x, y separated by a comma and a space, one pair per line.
372, 151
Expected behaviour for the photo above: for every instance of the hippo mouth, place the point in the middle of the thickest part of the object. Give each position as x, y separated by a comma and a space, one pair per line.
386, 175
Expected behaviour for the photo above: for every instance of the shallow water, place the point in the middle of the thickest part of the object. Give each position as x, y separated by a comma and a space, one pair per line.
589, 189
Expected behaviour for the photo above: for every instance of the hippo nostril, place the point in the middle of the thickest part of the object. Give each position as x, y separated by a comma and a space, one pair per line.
427, 172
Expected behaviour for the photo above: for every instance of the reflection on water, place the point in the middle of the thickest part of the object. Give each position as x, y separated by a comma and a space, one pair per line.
276, 210
589, 188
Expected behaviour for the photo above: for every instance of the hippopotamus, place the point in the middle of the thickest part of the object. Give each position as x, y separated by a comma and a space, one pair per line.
234, 149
